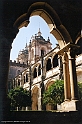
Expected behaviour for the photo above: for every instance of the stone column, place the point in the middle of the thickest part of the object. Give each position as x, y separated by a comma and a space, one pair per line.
73, 76
6, 38
39, 99
66, 77
4, 67
60, 64
42, 82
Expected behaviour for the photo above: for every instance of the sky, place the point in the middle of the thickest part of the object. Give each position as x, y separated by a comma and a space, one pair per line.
25, 34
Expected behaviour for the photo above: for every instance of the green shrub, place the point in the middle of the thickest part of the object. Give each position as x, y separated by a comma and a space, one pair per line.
19, 97
54, 94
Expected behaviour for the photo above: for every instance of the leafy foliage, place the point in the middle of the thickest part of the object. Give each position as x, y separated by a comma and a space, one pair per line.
80, 90
55, 93
19, 97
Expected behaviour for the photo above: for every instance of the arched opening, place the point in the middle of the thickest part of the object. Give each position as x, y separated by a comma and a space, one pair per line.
39, 70
53, 21
18, 82
26, 77
49, 106
42, 52
55, 61
45, 11
48, 65
24, 80
35, 98
35, 73
26, 35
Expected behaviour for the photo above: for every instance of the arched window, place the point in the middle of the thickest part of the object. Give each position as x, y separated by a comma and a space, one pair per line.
48, 65
18, 82
35, 73
42, 52
26, 77
55, 61
39, 70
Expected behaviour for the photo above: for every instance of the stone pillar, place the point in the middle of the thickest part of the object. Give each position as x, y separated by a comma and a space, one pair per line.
4, 67
39, 100
73, 76
66, 77
60, 64
42, 83
6, 39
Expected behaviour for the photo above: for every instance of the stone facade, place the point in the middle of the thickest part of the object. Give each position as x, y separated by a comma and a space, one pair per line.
44, 66
15, 69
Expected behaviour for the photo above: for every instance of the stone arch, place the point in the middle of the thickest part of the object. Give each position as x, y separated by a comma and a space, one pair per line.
24, 77
55, 61
39, 69
48, 64
18, 82
35, 73
45, 11
48, 84
58, 30
33, 68
8, 33
35, 98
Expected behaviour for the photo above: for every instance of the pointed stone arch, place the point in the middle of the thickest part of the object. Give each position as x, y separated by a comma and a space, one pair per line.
35, 98
45, 11
48, 84
55, 61
48, 64
59, 31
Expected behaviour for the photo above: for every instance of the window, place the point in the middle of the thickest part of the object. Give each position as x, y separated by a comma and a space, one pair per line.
18, 82
48, 65
35, 73
42, 52
26, 77
39, 70
55, 61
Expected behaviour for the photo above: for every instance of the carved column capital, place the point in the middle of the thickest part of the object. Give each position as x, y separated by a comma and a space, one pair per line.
64, 58
71, 53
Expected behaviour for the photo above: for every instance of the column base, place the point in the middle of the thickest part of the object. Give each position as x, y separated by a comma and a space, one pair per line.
73, 105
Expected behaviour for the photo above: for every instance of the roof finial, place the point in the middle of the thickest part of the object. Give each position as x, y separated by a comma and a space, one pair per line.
39, 32
26, 42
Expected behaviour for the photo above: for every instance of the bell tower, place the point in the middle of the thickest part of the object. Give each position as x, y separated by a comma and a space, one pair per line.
38, 46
